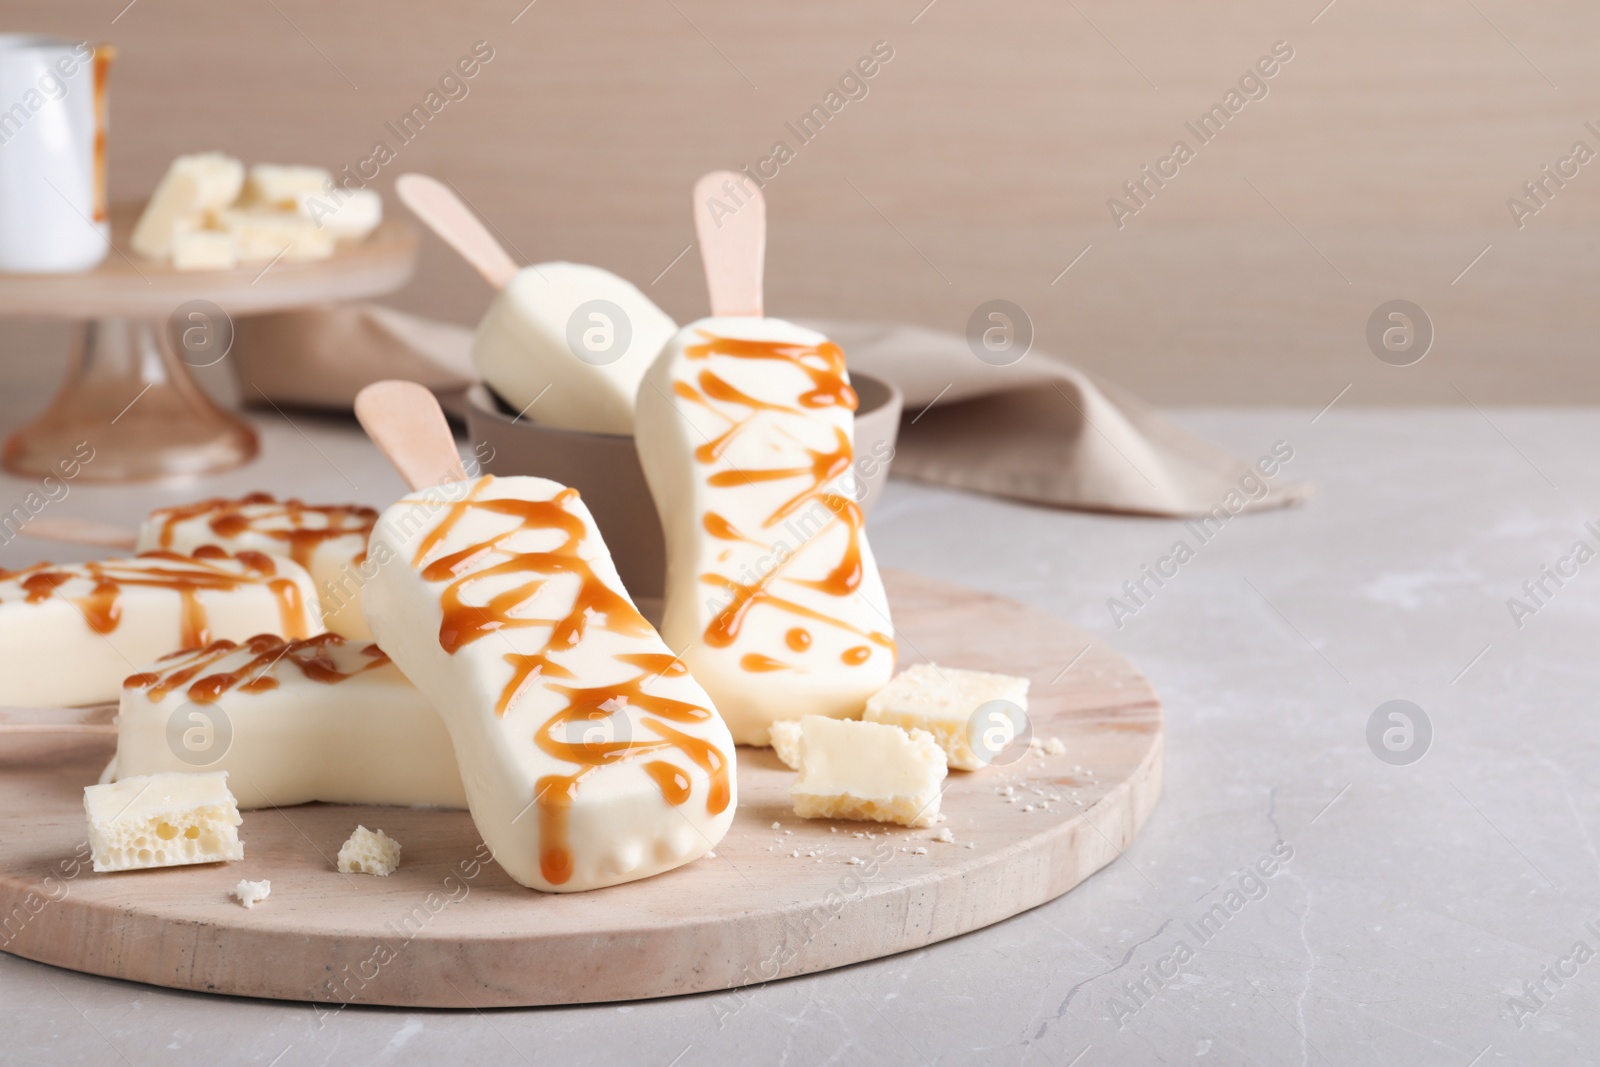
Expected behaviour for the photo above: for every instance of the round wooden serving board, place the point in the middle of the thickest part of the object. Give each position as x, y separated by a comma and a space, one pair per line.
446, 931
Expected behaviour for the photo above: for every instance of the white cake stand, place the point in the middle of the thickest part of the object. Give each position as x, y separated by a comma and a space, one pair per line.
129, 394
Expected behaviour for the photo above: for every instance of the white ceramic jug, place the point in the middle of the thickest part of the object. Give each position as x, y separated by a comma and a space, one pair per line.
52, 153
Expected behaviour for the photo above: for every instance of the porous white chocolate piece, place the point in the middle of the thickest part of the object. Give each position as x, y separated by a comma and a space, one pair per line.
348, 214
369, 852
162, 820
193, 187
204, 250
249, 893
263, 233
784, 737
280, 185
867, 771
942, 701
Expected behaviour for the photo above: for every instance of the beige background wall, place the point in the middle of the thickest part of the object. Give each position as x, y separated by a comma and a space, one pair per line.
978, 166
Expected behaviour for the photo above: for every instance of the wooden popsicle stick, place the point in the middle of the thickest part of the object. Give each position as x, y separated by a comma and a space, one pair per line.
406, 423
81, 532
457, 225
730, 219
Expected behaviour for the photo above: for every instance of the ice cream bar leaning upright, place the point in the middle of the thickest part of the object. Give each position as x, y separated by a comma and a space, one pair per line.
745, 429
564, 344
589, 754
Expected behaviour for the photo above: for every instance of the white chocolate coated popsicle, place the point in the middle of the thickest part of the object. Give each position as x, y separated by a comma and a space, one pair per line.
572, 341
70, 634
745, 430
291, 722
328, 540
589, 754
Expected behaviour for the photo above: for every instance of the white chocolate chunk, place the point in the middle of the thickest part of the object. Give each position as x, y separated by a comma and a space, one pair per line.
348, 214
250, 893
194, 186
279, 185
867, 771
162, 820
574, 338
745, 431
267, 233
369, 852
204, 250
590, 756
942, 701
328, 540
784, 737
323, 719
70, 634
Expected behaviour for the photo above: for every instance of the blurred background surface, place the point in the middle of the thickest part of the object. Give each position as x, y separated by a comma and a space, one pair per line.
978, 165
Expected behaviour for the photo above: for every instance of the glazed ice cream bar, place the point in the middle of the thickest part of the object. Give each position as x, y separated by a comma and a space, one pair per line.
745, 430
329, 541
70, 634
589, 754
291, 722
567, 344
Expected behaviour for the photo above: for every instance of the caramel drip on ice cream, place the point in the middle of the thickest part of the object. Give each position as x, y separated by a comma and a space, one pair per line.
823, 364
209, 570
269, 655
592, 730
723, 530
300, 528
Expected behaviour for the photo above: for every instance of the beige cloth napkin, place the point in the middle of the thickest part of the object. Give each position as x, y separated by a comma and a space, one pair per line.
1038, 430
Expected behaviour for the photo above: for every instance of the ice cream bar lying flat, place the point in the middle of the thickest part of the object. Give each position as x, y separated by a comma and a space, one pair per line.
69, 634
589, 754
291, 722
745, 430
329, 541
572, 341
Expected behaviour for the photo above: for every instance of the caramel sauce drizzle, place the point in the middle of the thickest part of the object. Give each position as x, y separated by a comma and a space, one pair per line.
310, 656
824, 365
757, 663
188, 576
256, 514
723, 530
596, 605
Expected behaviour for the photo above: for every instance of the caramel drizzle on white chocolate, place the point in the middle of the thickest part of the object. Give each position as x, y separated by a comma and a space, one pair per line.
824, 365
265, 516
269, 656
596, 605
185, 575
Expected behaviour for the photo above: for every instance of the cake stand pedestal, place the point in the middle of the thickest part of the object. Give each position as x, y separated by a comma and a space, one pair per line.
129, 395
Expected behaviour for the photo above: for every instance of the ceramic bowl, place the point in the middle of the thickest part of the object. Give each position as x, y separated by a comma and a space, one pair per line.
605, 470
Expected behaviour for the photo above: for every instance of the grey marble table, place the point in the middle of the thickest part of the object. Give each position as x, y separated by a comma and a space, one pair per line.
1428, 912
